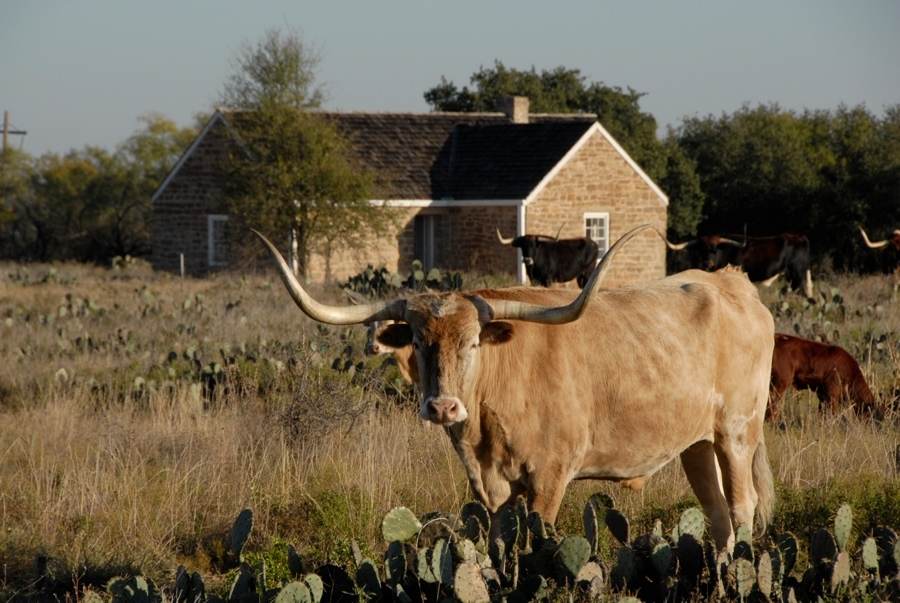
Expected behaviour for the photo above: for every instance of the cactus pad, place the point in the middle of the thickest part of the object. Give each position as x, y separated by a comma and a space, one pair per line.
442, 563
822, 548
476, 518
741, 577
570, 557
468, 585
591, 529
765, 575
400, 524
843, 524
787, 544
840, 573
295, 592
691, 522
240, 532
617, 524
367, 579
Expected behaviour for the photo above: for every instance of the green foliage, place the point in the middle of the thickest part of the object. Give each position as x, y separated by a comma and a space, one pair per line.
379, 283
818, 173
88, 205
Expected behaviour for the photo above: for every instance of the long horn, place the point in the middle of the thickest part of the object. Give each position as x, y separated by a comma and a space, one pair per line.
502, 240
724, 241
559, 232
672, 246
506, 309
333, 315
870, 244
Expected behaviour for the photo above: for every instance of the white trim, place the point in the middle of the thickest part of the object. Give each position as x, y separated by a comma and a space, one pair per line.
448, 202
520, 231
596, 127
210, 247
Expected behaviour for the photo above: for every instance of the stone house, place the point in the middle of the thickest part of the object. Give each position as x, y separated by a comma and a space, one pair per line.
457, 178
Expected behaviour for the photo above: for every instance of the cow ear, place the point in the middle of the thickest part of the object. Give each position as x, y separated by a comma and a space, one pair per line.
397, 335
497, 331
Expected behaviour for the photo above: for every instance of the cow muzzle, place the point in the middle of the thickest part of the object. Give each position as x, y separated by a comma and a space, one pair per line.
443, 411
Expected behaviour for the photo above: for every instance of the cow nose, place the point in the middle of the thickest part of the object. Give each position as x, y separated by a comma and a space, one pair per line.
372, 349
445, 411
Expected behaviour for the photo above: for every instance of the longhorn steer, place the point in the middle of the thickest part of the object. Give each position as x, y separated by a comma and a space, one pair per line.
538, 387
551, 260
828, 370
380, 342
762, 258
890, 251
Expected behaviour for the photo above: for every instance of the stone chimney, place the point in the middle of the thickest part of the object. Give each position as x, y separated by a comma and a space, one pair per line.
516, 108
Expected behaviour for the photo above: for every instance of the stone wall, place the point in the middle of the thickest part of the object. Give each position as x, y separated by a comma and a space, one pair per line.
598, 179
180, 212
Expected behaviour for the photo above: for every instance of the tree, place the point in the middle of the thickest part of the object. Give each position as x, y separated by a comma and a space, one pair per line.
293, 171
90, 205
561, 90
564, 90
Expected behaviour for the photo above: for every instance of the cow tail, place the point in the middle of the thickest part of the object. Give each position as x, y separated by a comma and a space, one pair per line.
764, 486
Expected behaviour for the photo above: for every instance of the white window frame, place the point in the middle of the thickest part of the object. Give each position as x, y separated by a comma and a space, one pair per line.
601, 241
214, 245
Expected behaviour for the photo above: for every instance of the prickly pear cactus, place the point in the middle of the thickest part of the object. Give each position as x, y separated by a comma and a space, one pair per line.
315, 585
765, 574
870, 556
662, 558
538, 529
476, 519
741, 577
822, 548
442, 563
367, 580
591, 528
400, 524
690, 558
468, 585
617, 524
394, 562
295, 592
136, 589
624, 574
509, 528
240, 532
691, 522
843, 524
840, 572
570, 557
788, 547
743, 545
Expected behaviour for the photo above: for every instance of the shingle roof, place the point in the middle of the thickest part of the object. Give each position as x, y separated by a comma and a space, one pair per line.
461, 155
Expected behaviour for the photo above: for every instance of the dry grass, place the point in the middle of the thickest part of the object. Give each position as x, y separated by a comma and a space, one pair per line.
99, 475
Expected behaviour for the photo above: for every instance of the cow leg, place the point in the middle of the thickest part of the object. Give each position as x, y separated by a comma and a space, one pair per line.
831, 391
702, 471
545, 493
735, 456
776, 396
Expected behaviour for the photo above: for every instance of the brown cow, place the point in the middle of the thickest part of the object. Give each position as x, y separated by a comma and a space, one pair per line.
538, 387
828, 370
380, 342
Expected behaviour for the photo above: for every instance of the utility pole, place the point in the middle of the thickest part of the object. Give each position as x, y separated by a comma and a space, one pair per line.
7, 131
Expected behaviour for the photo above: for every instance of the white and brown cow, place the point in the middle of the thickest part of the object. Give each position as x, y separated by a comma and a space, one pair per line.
538, 387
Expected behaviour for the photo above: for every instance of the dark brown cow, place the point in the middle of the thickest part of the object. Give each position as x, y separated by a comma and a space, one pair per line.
828, 370
890, 251
538, 387
762, 258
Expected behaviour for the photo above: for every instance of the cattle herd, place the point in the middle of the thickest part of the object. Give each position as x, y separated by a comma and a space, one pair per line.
538, 386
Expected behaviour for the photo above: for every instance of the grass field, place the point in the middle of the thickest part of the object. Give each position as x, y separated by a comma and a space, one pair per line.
139, 414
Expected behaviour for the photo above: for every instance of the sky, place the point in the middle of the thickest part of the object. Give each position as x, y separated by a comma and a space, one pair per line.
76, 74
